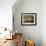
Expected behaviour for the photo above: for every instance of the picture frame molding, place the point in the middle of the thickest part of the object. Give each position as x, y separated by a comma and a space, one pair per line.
29, 24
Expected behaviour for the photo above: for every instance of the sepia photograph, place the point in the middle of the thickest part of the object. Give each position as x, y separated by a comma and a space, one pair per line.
28, 19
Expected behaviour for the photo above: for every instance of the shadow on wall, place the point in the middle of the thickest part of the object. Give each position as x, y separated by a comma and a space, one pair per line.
15, 6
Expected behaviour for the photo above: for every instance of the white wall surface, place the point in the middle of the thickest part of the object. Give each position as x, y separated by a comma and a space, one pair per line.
29, 32
6, 13
43, 22
6, 16
37, 33
33, 32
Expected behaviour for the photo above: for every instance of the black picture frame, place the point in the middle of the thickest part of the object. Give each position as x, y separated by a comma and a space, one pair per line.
29, 19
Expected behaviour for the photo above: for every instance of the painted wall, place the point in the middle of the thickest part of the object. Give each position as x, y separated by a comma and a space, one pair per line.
29, 32
43, 22
26, 6
6, 13
6, 16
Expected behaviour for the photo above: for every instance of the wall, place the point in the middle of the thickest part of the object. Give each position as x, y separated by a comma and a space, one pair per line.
26, 6
6, 16
6, 13
29, 32
43, 22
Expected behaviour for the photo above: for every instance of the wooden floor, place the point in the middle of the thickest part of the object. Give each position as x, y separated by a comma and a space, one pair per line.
9, 43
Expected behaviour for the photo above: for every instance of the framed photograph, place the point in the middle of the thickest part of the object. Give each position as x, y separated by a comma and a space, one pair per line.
28, 18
